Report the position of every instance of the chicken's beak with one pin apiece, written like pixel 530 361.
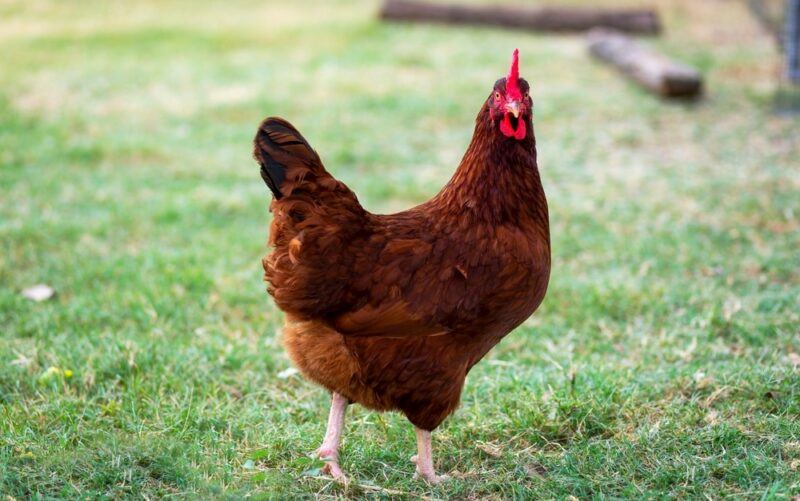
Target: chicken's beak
pixel 513 108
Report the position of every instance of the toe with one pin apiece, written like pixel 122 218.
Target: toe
pixel 332 468
pixel 431 477
pixel 437 479
pixel 413 459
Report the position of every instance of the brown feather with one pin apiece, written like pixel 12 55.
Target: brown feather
pixel 393 310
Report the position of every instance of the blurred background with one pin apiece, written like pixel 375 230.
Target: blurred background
pixel 663 362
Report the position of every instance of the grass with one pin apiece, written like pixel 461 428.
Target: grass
pixel 663 362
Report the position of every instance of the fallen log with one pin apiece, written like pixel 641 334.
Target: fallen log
pixel 650 69
pixel 641 21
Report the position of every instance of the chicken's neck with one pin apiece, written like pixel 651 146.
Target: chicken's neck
pixel 498 180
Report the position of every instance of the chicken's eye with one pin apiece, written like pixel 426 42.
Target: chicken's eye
pixel 497 95
pixel 526 95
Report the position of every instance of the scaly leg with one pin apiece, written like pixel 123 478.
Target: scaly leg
pixel 424 458
pixel 329 451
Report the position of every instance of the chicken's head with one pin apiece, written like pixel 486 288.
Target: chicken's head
pixel 510 106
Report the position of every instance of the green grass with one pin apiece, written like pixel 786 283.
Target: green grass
pixel 663 362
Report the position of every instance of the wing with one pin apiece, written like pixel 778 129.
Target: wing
pixel 424 282
pixel 392 318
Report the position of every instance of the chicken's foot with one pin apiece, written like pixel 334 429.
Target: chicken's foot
pixel 329 450
pixel 424 458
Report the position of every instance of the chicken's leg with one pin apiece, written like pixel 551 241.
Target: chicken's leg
pixel 329 451
pixel 424 458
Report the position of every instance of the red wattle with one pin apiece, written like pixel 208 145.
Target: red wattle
pixel 505 126
pixel 520 134
pixel 508 130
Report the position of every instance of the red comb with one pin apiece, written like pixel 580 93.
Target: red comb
pixel 512 80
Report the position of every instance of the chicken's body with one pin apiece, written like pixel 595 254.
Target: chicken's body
pixel 392 311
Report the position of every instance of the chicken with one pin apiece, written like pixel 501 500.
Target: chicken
pixel 392 311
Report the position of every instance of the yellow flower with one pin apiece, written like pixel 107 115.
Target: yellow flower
pixel 54 372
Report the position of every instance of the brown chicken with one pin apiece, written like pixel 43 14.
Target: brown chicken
pixel 392 311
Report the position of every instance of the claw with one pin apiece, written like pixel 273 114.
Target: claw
pixel 332 468
pixel 431 478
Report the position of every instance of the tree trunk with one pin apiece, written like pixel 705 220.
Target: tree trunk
pixel 650 69
pixel 642 21
pixel 792 41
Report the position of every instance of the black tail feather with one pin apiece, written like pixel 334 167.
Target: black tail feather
pixel 277 145
pixel 273 174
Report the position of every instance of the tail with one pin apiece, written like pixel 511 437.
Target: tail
pixel 285 157
pixel 315 219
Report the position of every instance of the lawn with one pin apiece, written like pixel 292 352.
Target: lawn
pixel 664 362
